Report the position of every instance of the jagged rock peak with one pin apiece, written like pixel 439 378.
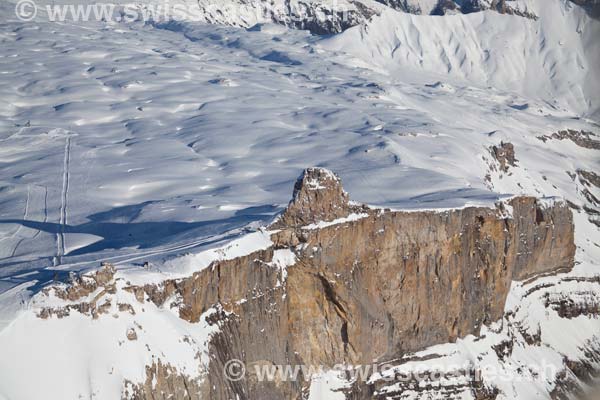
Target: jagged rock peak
pixel 318 196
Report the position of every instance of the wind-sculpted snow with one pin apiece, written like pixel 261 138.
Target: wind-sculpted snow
pixel 157 142
pixel 551 58
pixel 128 142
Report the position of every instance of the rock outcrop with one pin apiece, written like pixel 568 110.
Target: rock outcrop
pixel 163 382
pixel 587 140
pixel 365 285
pixel 505 155
pixel 342 283
pixel 318 197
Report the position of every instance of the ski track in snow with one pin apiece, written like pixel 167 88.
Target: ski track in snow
pixel 187 131
pixel 60 235
pixel 25 213
pixel 35 203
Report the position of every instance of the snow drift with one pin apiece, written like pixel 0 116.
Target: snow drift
pixel 554 58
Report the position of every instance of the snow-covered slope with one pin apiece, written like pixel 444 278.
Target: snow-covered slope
pixel 124 142
pixel 132 142
pixel 553 59
pixel 322 16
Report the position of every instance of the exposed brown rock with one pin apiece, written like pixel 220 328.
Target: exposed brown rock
pixel 471 6
pixel 124 307
pixel 369 288
pixel 579 379
pixel 80 287
pixel 131 334
pixel 589 177
pixel 318 196
pixel 503 8
pixel 415 279
pixel 446 7
pixel 372 288
pixel 590 180
pixel 164 382
pixel 505 155
pixel 427 386
pixel 569 307
pixel 83 285
pixel 580 138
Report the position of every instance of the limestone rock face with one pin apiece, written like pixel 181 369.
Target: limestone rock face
pixel 369 288
pixel 396 282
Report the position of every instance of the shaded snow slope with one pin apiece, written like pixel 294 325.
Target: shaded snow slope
pixel 129 142
pixel 553 59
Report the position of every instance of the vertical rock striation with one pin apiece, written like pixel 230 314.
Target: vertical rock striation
pixel 366 285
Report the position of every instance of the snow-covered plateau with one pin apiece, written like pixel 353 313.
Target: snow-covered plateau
pixel 163 148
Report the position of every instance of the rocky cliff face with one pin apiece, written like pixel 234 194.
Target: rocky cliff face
pixel 341 283
pixel 344 283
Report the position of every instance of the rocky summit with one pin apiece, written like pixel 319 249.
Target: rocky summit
pixel 318 197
